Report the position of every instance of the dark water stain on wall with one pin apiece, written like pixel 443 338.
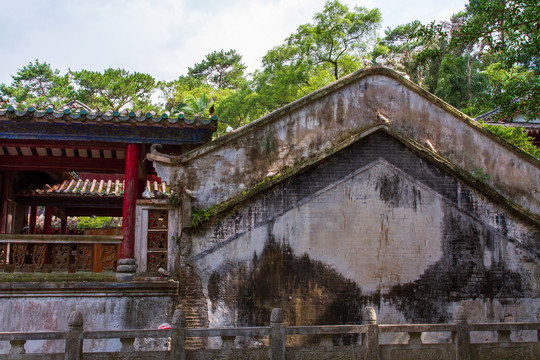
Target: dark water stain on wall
pixel 308 291
pixel 459 275
pixel 389 189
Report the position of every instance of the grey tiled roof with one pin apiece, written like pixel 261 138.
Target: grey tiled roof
pixel 109 117
pixel 105 188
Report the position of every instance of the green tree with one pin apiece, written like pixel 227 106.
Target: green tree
pixel 193 107
pixel 337 38
pixel 238 108
pixel 398 47
pixel 114 89
pixel 405 49
pixel 503 32
pixel 285 77
pixel 462 82
pixel 514 89
pixel 92 222
pixel 174 92
pixel 516 136
pixel 222 69
pixel 317 54
pixel 38 84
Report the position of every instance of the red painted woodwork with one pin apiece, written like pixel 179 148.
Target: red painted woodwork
pixel 60 163
pixel 33 219
pixel 130 199
pixel 64 144
pixel 63 226
pixel 47 224
pixel 4 196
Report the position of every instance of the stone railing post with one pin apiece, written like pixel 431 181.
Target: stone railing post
pixel 178 338
pixel 462 339
pixel 277 335
pixel 370 341
pixel 127 344
pixel 74 337
pixel 17 347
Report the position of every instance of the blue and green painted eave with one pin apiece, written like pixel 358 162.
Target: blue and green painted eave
pixel 68 125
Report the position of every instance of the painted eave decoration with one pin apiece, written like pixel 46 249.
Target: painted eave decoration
pixel 111 126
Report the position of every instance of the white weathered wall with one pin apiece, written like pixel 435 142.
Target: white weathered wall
pixel 42 313
pixel 378 241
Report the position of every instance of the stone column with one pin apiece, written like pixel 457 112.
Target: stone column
pixel 74 338
pixel 126 265
pixel 462 339
pixel 277 335
pixel 178 337
pixel 370 341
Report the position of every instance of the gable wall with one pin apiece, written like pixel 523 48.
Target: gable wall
pixel 319 122
pixel 375 224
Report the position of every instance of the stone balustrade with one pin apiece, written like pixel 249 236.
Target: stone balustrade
pixel 368 347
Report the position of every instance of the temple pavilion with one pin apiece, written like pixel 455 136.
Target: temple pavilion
pixel 78 162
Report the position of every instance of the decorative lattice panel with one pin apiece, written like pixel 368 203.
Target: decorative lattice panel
pixel 3 253
pixel 19 254
pixel 85 257
pixel 39 255
pixel 157 237
pixel 61 256
pixel 108 257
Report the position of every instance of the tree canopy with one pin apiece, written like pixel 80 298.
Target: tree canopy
pixel 316 54
pixel 222 69
pixel 503 38
pixel 38 84
pixel 114 88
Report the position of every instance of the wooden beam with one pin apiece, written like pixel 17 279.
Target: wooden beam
pixel 60 163
pixel 83 211
pixel 58 212
pixel 64 144
pixel 70 201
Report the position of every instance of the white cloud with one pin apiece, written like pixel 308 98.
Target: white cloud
pixel 164 37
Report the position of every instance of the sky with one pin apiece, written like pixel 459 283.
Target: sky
pixel 165 37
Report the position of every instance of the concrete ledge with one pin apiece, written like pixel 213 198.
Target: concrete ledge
pixel 89 289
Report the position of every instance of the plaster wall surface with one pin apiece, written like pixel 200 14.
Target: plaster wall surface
pixel 374 224
pixel 44 313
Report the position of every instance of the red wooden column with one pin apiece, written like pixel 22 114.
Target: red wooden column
pixel 47 224
pixel 4 196
pixel 126 267
pixel 33 219
pixel 63 225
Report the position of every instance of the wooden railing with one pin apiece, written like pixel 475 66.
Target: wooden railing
pixel 368 347
pixel 44 253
